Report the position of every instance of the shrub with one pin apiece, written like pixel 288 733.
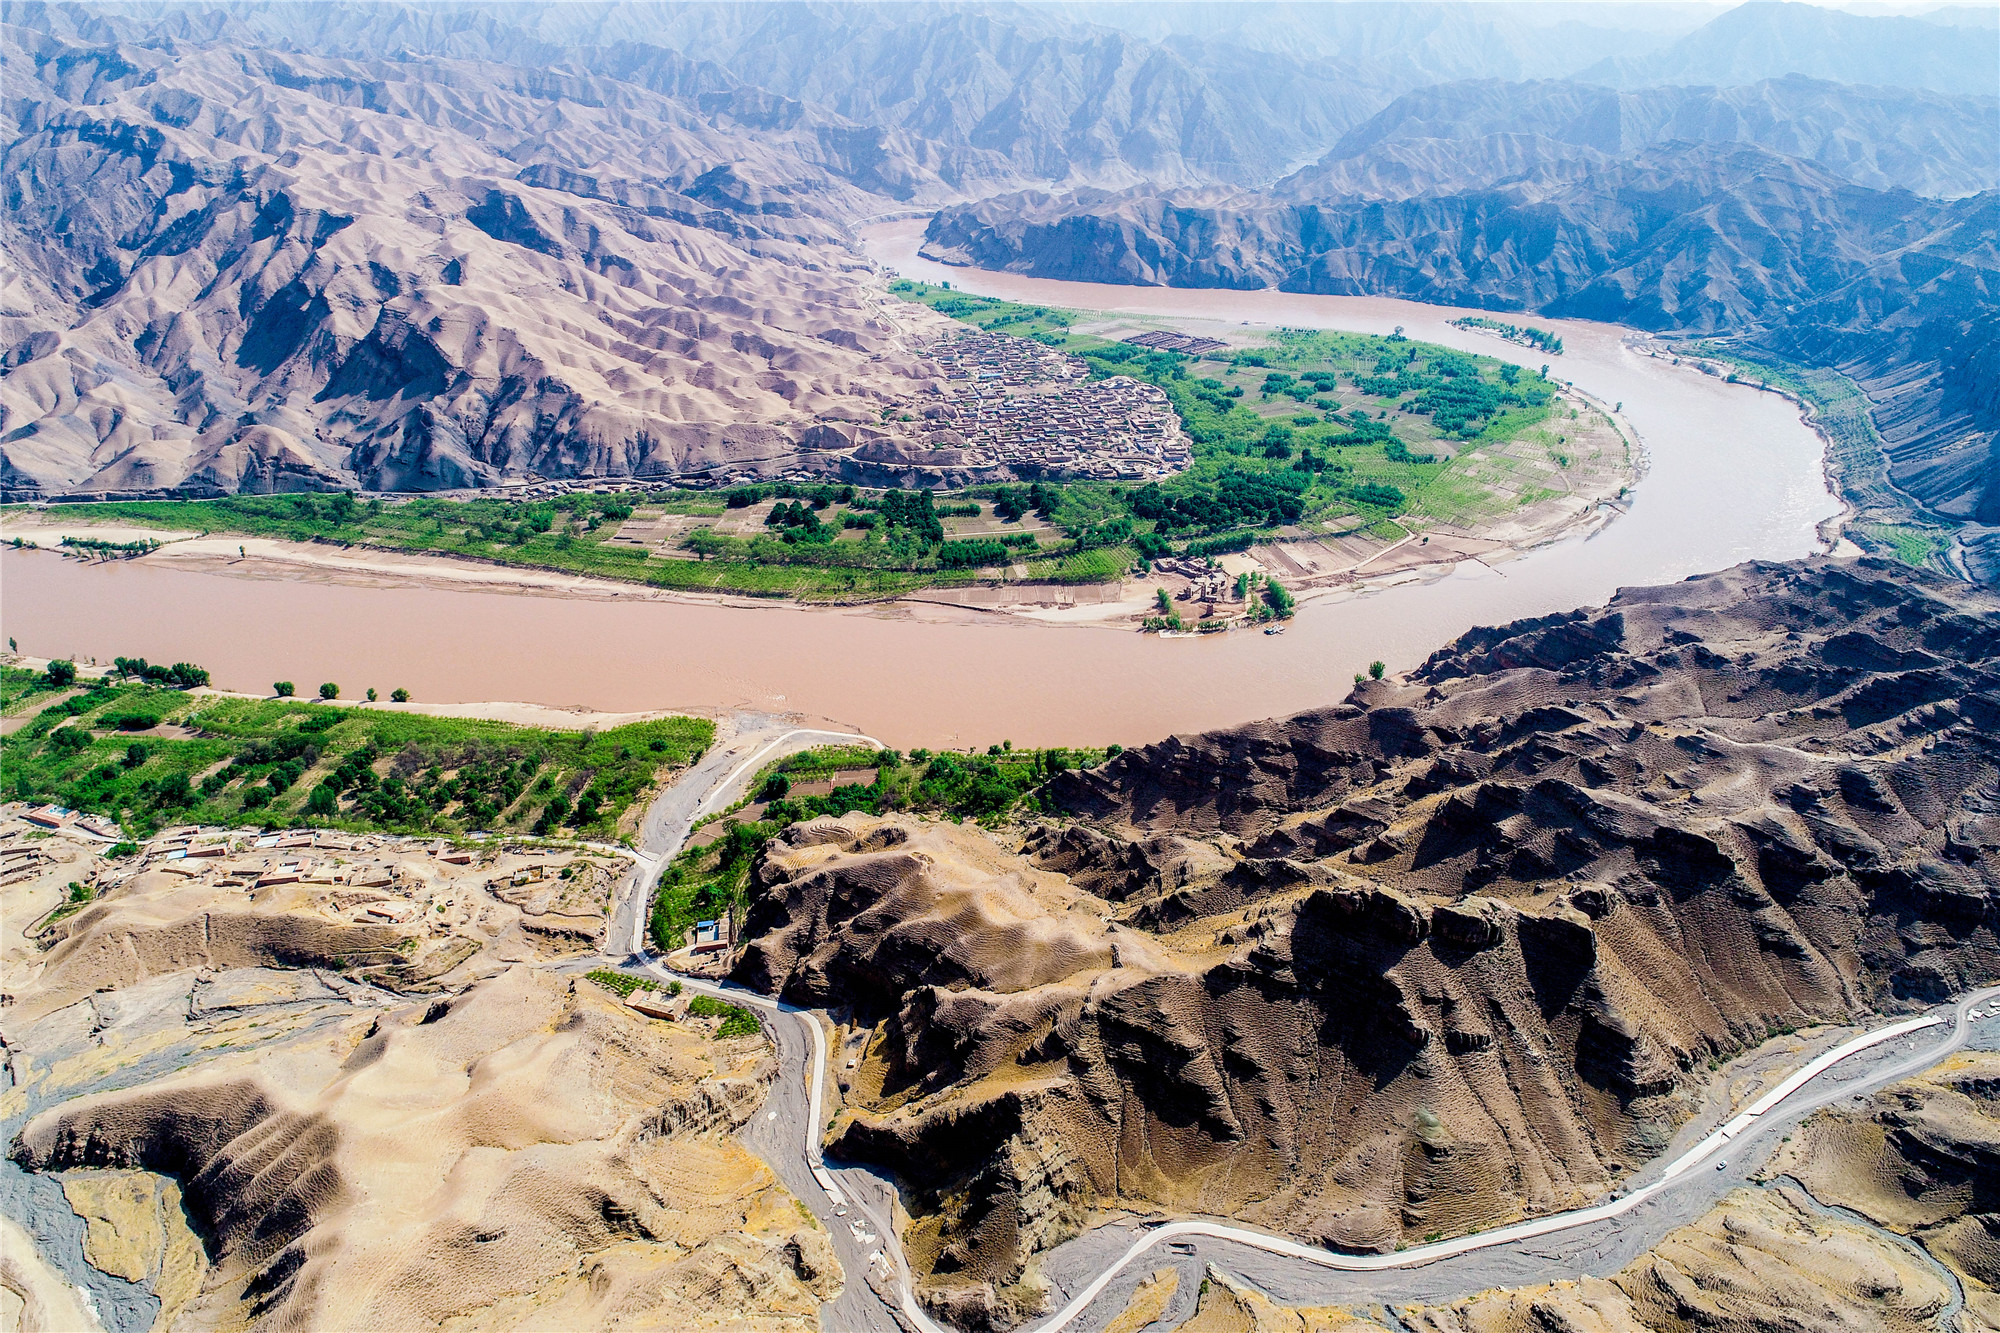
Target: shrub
pixel 623 984
pixel 132 720
pixel 735 1022
pixel 329 691
pixel 402 696
pixel 61 673
pixel 284 689
pixel 1379 494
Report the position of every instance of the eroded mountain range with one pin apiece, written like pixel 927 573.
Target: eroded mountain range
pixel 420 247
pixel 1462 948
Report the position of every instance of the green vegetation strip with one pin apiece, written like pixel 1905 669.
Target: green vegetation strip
pixel 621 982
pixel 149 755
pixel 736 1021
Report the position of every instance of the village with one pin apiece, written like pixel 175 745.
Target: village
pixel 1001 408
pixel 1014 403
pixel 434 903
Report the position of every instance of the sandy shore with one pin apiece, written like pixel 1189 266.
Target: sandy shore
pixel 1119 605
pixel 556 717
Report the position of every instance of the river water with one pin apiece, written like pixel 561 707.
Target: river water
pixel 1733 475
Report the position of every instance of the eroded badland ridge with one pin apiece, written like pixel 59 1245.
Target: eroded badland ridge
pixel 1462 948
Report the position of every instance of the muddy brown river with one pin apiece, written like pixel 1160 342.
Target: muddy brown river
pixel 1733 475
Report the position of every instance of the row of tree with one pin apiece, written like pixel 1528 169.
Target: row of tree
pixel 329 691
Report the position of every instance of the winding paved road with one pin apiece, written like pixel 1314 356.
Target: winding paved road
pixel 744 743
pixel 1096 1270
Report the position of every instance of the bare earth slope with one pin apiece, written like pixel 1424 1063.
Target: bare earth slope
pixel 1874 1216
pixel 247 270
pixel 1921 1159
pixel 1459 949
pixel 270 1119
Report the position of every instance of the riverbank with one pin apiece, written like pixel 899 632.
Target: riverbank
pixel 1731 475
pixel 1332 457
pixel 574 717
pixel 137 756
pixel 1310 565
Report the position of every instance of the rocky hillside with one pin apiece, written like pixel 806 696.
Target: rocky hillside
pixel 1462 948
pixel 246 270
pixel 1676 238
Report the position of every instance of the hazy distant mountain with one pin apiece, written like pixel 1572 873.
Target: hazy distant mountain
pixel 1407 44
pixel 1460 136
pixel 1766 40
pixel 1678 238
pixel 1003 89
pixel 1057 100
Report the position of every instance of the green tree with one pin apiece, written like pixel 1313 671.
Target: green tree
pixel 774 787
pixel 329 691
pixel 1278 598
pixel 371 694
pixel 61 673
pixel 400 695
pixel 1166 602
pixel 135 755
pixel 284 689
pixel 1375 670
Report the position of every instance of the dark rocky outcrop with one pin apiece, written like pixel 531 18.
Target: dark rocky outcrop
pixel 1464 945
